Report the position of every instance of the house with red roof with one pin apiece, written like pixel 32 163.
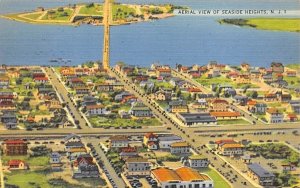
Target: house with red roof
pixel 41 80
pixel 219 105
pixel 17 164
pixel 151 141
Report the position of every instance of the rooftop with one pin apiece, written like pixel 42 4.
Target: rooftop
pixel 260 171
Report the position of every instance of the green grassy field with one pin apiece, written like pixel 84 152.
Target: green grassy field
pixel 121 11
pixel 27 179
pixel 294 66
pixel 279 24
pixel 31 161
pixel 233 121
pixel 97 9
pixel 118 122
pixel 59 16
pixel 219 182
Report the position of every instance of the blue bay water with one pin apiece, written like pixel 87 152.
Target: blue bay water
pixel 180 39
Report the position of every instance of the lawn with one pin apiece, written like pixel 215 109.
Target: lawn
pixel 33 16
pixel 219 182
pixel 121 11
pixel 97 9
pixel 31 161
pixel 26 179
pixel 293 66
pixel 233 122
pixel 118 122
pixel 163 84
pixel 59 15
pixel 279 24
pixel 293 81
pixel 216 80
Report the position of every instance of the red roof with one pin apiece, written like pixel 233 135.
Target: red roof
pixel 225 141
pixel 128 149
pixel 41 78
pixel 220 101
pixel 94 107
pixel 194 90
pixel 15 162
pixel 14 142
pixel 76 80
pixel 150 135
pixel 6 96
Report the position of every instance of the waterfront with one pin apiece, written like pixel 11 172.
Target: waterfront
pixel 180 39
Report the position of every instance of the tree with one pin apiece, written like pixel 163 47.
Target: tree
pixel 60 9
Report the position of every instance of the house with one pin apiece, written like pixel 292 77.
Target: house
pixel 76 82
pixel 285 97
pixel 82 90
pixel 259 108
pixel 138 109
pixel 89 100
pixel 213 73
pixel 41 80
pixel 180 148
pixel 194 91
pixel 85 167
pixel 165 141
pixel 240 99
pixel 230 149
pixel 178 106
pixel 9 119
pixel 122 95
pixel 255 74
pixel 245 67
pixel 267 78
pixel 197 161
pixel 219 105
pixel 229 92
pixel 277 67
pixel 195 119
pixel 270 97
pixel 226 115
pixel 96 110
pixel 288 166
pixel 15 147
pixel 243 79
pixel 16 164
pixel 128 152
pixel 260 175
pixel 72 138
pixel 161 95
pixel 4 82
pixel 151 141
pixel 200 105
pixel 163 71
pixel 7 105
pixel 137 166
pixel 55 161
pixel 291 73
pixel 119 141
pixel 181 177
pixel 106 87
pixel 246 159
pixel 292 117
pixel 147 84
pixel 274 116
pixel 294 106
pixel 75 152
pixel 75 144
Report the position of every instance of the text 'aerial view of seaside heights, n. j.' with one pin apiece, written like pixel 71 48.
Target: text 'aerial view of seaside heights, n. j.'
pixel 149 94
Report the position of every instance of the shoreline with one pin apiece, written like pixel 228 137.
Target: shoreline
pixel 20 17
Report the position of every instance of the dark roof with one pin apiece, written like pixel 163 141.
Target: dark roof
pixel 260 171
pixel 79 144
pixel 177 102
pixel 197 117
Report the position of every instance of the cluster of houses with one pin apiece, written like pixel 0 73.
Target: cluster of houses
pixel 83 164
pixel 136 165
pixel 27 91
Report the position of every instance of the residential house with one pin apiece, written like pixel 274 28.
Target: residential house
pixel 178 106
pixel 41 80
pixel 245 67
pixel 260 175
pixel 128 152
pixel 286 166
pixel 4 82
pixel 291 73
pixel 119 141
pixel 137 166
pixel 180 148
pixel 151 141
pixel 294 106
pixel 273 115
pixel 194 91
pixel 161 95
pixel 219 105
pixel 138 109
pixel 240 99
pixel 163 71
pixel 213 73
pixel 76 82
pixel 292 117
pixel 229 92
pixel 75 144
pixel 9 119
pixel 285 97
pixel 243 79
pixel 82 90
pixel 229 147
pixel 195 119
pixel 181 177
pixel 200 105
pixel 55 161
pixel 196 161
pixel 267 78
pixel 74 153
pixel 15 147
pixel 110 87
pixel 96 110
pixel 72 138
pixel 16 164
pixel 255 74
pixel 259 108
pixel 148 84
pixel 270 97
pixel 85 167
pixel 122 95
pixel 165 141
pixel 88 101
pixel 277 67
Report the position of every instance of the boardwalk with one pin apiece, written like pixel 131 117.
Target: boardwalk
pixel 107 11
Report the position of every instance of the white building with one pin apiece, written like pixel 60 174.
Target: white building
pixel 96 110
pixel 180 148
pixel 166 141
pixel 274 116
pixel 198 161
pixel 119 141
pixel 137 166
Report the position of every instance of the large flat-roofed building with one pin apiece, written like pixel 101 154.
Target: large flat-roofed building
pixel 195 119
pixel 183 177
pixel 137 166
pixel 260 175
pixel 15 147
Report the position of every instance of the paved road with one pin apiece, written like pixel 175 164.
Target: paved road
pixel 118 181
pixel 64 94
pixel 107 14
pixel 184 132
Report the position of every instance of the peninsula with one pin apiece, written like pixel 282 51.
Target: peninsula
pixel 275 24
pixel 92 13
